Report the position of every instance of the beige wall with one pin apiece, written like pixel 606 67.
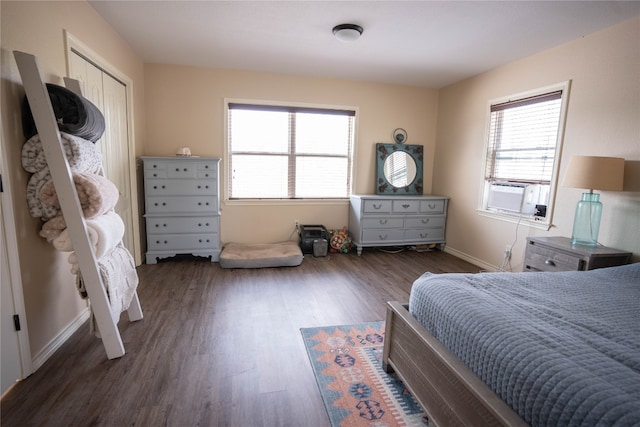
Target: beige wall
pixel 51 301
pixel 185 107
pixel 603 120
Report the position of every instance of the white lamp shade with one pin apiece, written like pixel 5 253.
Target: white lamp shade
pixel 595 173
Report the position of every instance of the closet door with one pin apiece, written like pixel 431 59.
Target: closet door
pixel 116 150
pixel 109 95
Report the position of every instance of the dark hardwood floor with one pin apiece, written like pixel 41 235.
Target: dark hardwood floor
pixel 217 347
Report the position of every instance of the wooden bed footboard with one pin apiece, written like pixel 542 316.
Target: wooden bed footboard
pixel 449 392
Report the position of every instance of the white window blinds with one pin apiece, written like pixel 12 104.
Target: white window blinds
pixel 280 152
pixel 523 136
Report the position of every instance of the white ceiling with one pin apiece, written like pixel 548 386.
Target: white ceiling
pixel 422 43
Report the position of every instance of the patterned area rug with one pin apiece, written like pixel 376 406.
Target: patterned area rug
pixel 347 362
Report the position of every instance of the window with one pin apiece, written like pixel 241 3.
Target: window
pixel 281 152
pixel 522 152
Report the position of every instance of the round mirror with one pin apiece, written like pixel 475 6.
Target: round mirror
pixel 400 169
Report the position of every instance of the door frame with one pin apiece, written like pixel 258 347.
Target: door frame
pixel 72 43
pixel 13 260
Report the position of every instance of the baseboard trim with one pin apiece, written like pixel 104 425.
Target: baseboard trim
pixel 483 265
pixel 53 345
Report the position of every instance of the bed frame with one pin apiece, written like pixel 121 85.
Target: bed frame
pixel 449 392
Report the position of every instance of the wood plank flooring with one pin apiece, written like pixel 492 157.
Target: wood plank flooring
pixel 217 347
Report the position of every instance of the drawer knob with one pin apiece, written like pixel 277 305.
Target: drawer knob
pixel 157 225
pixel 155 174
pixel 383 221
pixel 155 187
pixel 163 187
pixel 199 224
pixel 424 235
pixel 155 166
pixel 177 169
pixel 185 169
pixel 377 206
pixel 550 262
pixel 431 206
pixel 164 204
pixel 426 221
pixel 199 187
pixel 381 237
pixel 405 205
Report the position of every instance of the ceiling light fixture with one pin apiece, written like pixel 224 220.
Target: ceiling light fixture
pixel 347 32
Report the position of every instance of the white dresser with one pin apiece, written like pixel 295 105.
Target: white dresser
pixel 397 220
pixel 182 207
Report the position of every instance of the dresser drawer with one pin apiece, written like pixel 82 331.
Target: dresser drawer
pixel 189 187
pixel 543 259
pixel 156 225
pixel 376 206
pixel 432 206
pixel 181 169
pixel 177 242
pixel 424 221
pixel 182 204
pixel 406 206
pixel 388 222
pixel 382 235
pixel 424 235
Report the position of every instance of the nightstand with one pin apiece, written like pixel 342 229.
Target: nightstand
pixel 558 254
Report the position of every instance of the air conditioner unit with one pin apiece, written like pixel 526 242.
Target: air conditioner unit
pixel 506 196
pixel 514 197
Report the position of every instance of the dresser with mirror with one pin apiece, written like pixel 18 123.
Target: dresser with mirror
pixel 398 214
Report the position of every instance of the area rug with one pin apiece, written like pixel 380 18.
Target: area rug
pixel 347 363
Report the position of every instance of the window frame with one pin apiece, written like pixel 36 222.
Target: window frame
pixel 287 201
pixel 516 217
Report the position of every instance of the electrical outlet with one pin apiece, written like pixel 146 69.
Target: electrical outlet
pixel 297 223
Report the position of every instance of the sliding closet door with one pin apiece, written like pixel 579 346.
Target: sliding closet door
pixel 110 96
pixel 116 150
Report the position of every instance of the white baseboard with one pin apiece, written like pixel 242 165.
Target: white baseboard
pixel 53 345
pixel 483 265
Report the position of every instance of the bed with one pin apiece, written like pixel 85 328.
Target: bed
pixel 512 349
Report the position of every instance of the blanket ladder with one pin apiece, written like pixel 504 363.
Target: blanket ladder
pixel 44 117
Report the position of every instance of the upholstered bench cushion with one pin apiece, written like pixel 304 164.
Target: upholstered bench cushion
pixel 239 255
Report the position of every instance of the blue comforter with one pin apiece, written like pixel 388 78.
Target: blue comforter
pixel 563 349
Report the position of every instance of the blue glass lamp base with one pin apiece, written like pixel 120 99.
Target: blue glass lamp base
pixel 586 223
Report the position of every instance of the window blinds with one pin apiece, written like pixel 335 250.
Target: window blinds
pixel 278 152
pixel 523 136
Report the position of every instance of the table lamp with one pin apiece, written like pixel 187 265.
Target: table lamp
pixel 592 173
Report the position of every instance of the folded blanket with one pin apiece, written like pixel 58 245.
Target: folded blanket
pixel 75 114
pixel 119 277
pixel 53 227
pixel 82 155
pixel 34 188
pixel 96 193
pixel 104 231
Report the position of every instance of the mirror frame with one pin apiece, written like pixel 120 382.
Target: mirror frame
pixel 383 186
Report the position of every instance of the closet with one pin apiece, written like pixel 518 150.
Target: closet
pixel 110 96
